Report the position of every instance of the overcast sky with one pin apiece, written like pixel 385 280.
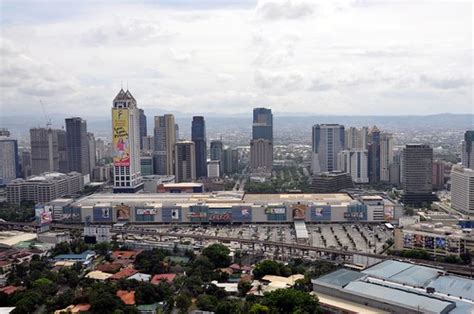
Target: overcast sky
pixel 217 56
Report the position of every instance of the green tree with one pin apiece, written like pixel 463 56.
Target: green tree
pixel 244 287
pixel 151 262
pixel 183 301
pixel 270 267
pixel 105 302
pixel 290 301
pixel 218 254
pixel 45 286
pixel 207 302
pixel 259 309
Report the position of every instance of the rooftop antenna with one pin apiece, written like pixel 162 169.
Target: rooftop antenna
pixel 48 120
pixel 121 84
pixel 127 85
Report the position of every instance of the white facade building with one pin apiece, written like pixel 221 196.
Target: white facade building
pixel 213 168
pixel 462 189
pixel 356 138
pixel 355 163
pixel 126 143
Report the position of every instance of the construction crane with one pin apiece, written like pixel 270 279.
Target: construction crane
pixel 48 120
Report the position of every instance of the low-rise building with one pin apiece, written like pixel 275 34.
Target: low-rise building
pixel 45 187
pixel 396 287
pixel 435 239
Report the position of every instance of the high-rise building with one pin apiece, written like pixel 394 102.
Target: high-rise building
pixel 354 162
pixel 356 138
pixel 25 163
pixel 462 189
pixel 126 143
pixel 44 150
pixel 227 158
pixel 198 136
pixel 216 152
pixel 467 153
pixel 143 128
pixel 327 142
pixel 262 124
pixel 373 145
pixel 261 145
pixel 101 149
pixel 92 151
pixel 386 156
pixel 438 174
pixel 148 143
pixel 235 160
pixel 9 159
pixel 165 140
pixel 185 161
pixel 417 174
pixel 62 151
pixel 261 160
pixel 77 145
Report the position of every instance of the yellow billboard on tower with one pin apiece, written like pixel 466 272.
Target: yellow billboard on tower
pixel 121 140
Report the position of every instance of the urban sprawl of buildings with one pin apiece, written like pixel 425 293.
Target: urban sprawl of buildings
pixel 353 192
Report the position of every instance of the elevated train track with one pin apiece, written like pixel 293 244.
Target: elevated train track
pixel 466 270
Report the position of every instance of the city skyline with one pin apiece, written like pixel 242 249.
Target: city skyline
pixel 228 58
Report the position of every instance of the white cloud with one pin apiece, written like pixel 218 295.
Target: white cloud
pixel 335 57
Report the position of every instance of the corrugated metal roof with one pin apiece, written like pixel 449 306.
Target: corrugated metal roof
pixel 339 278
pixel 400 297
pixel 454 285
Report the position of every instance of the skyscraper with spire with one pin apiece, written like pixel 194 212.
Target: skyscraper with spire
pixel 126 143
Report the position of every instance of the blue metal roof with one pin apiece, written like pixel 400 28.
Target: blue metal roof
pixel 401 272
pixel 454 285
pixel 339 278
pixel 401 297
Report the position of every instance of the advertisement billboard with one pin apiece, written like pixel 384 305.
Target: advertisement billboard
pixel 102 214
pixel 388 212
pixel 242 214
pixel 299 211
pixel 146 211
pixel 171 214
pixel 275 210
pixel 123 212
pixel 44 214
pixel 120 139
pixel 198 213
pixel 71 214
pixel 356 212
pixel 321 213
pixel 408 240
pixel 418 240
pixel 440 243
pixel 220 214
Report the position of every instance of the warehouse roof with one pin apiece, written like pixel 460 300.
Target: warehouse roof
pixel 332 198
pixel 406 273
pixel 422 303
pixel 339 278
pixel 223 197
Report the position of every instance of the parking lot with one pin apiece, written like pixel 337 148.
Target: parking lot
pixel 367 238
